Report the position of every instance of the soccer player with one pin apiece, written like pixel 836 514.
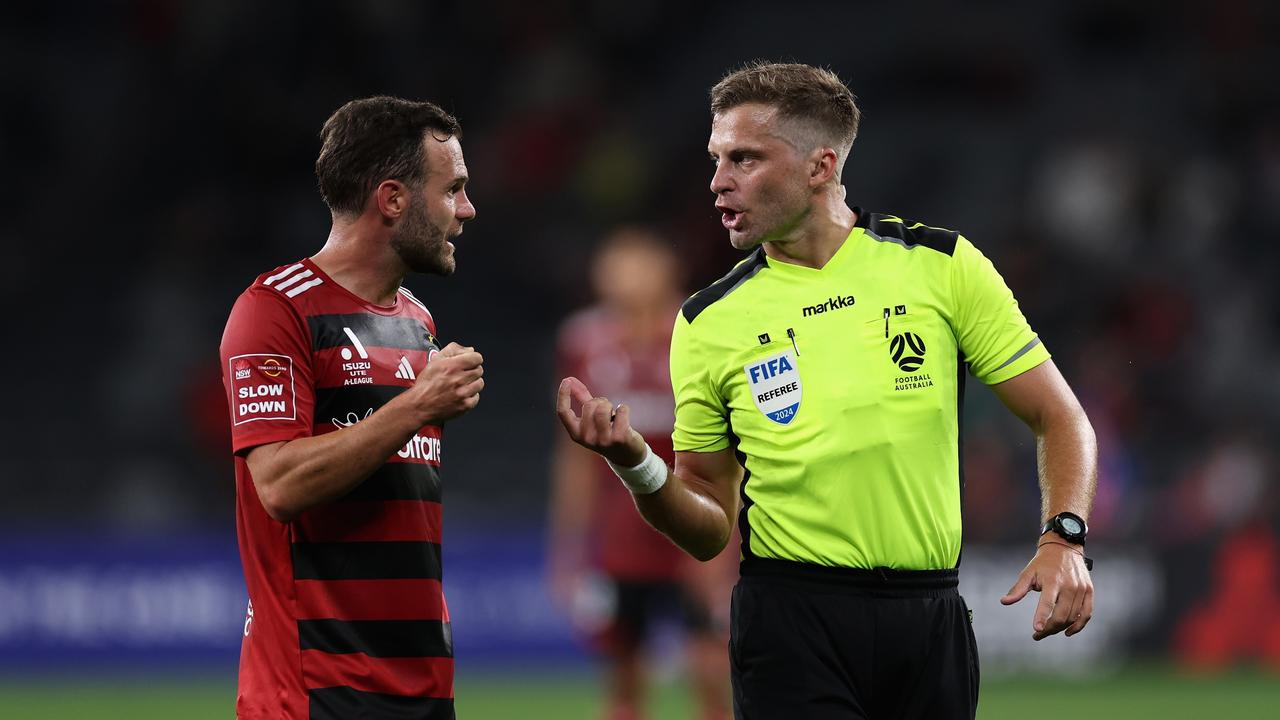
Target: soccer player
pixel 338 390
pixel 820 381
pixel 617 576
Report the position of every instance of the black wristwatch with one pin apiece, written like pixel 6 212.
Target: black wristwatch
pixel 1070 526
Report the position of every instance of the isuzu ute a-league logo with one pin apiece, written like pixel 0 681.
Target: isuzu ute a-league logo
pixel 359 371
pixel 907 351
pixel 775 386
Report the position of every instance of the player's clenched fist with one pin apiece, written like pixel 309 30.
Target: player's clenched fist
pixel 450 385
pixel 598 426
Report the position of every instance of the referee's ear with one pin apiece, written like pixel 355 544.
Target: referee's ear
pixel 824 163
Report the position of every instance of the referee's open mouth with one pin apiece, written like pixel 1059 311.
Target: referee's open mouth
pixel 731 218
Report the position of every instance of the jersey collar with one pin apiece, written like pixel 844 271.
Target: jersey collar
pixel 835 262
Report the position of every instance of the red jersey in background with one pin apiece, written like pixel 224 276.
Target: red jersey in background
pixel 592 348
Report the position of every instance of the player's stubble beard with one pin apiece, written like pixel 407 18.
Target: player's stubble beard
pixel 421 244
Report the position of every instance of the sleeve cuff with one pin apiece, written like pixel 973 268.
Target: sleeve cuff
pixel 1027 359
pixel 242 446
pixel 686 445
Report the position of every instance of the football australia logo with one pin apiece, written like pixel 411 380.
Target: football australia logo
pixel 774 383
pixel 907 351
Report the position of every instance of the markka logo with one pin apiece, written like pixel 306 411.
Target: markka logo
pixel 774 383
pixel 836 303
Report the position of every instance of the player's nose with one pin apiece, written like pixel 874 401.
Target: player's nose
pixel 465 210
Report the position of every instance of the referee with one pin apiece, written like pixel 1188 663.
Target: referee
pixel 819 383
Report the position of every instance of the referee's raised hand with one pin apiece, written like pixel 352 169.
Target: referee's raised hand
pixel 599 426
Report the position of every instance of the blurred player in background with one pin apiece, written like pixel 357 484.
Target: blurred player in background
pixel 614 574
pixel 818 387
pixel 338 392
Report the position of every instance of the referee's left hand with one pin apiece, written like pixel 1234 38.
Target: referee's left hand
pixel 1058 573
pixel 601 427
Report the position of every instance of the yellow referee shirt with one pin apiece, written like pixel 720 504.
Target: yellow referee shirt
pixel 840 389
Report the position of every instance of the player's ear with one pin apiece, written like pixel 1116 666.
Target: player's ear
pixel 391 198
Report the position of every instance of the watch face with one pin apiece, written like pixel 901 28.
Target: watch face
pixel 1071 525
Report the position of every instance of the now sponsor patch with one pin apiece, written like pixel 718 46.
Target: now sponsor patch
pixel 775 386
pixel 262 388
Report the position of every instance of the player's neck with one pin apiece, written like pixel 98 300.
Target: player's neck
pixel 366 266
pixel 817 238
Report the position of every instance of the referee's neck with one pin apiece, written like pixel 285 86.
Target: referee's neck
pixel 817 238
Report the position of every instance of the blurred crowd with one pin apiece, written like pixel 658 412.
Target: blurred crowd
pixel 1119 161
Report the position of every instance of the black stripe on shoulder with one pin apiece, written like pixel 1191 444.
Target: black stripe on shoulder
pixel 399 560
pixel 344 703
pixel 377 638
pixel 741 272
pixel 907 233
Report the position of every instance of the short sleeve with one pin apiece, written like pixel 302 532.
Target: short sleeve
pixel 701 421
pixel 266 370
pixel 994 336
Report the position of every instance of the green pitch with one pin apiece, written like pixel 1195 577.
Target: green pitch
pixel 1130 694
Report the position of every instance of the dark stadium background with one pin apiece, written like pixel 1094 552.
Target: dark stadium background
pixel 1119 161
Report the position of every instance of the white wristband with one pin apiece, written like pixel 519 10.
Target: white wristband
pixel 643 479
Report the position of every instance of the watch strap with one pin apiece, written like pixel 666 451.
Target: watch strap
pixel 1054 523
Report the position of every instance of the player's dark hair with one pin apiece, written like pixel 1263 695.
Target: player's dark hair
pixel 800 92
pixel 374 139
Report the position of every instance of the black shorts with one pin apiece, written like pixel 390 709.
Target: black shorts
pixel 639 605
pixel 811 643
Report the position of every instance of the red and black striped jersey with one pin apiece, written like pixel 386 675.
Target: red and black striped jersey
pixel 346 615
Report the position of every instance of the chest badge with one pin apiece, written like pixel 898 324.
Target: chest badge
pixel 775 386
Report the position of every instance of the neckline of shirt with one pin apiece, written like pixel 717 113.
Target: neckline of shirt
pixel 834 262
pixel 392 309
